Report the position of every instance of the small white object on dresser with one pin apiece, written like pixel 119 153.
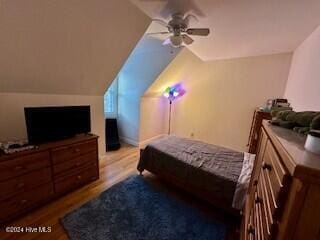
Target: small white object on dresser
pixel 313 142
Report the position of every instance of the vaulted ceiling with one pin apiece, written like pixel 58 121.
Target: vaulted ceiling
pixel 146 62
pixel 241 28
pixel 79 46
pixel 66 46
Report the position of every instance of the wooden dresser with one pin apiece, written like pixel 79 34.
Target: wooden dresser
pixel 30 178
pixel 284 194
pixel 256 125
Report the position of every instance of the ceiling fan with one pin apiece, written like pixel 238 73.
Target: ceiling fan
pixel 179 29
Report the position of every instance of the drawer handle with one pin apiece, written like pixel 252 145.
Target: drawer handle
pixel 76 150
pixel 258 199
pixel 20 185
pixel 266 166
pixel 250 229
pixel 79 177
pixel 23 201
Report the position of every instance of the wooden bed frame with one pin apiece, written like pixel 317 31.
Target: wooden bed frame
pixel 205 195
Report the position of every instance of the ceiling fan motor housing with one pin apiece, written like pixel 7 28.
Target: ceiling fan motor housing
pixel 177 24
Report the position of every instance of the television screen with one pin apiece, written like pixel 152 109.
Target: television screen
pixel 45 124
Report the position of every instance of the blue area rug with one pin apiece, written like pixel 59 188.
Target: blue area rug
pixel 136 210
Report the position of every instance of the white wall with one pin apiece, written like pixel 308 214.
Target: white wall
pixel 221 95
pixel 12 121
pixel 128 109
pixel 144 65
pixel 303 86
pixel 153 117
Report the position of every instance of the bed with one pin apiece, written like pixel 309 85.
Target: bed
pixel 217 174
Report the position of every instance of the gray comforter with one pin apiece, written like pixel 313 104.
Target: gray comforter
pixel 207 167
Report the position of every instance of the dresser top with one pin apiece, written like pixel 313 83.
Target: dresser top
pixel 290 146
pixel 50 145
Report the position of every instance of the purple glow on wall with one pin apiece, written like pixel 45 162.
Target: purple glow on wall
pixel 174 92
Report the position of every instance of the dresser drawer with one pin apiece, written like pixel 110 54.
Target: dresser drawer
pixel 86 159
pixel 280 174
pixel 265 208
pixel 258 228
pixel 24 182
pixel 250 231
pixel 276 176
pixel 23 165
pixel 63 154
pixel 20 202
pixel 70 182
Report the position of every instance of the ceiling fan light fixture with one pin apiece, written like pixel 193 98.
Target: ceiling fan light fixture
pixel 176 41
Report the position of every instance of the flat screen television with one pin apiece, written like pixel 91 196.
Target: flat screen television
pixel 46 124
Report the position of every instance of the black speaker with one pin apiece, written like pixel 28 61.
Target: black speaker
pixel 112 136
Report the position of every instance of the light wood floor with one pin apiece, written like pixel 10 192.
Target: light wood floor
pixel 115 167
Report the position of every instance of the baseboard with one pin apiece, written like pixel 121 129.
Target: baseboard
pixel 129 141
pixel 142 143
pixel 145 142
pixel 102 156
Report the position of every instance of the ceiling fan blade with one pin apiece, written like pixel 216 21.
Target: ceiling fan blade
pixel 186 39
pixel 155 33
pixel 198 31
pixel 166 42
pixel 188 17
pixel 160 21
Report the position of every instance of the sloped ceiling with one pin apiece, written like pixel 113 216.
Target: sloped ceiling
pixel 144 65
pixel 66 46
pixel 179 70
pixel 147 61
pixel 242 28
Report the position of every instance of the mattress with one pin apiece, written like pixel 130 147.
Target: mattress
pixel 221 172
